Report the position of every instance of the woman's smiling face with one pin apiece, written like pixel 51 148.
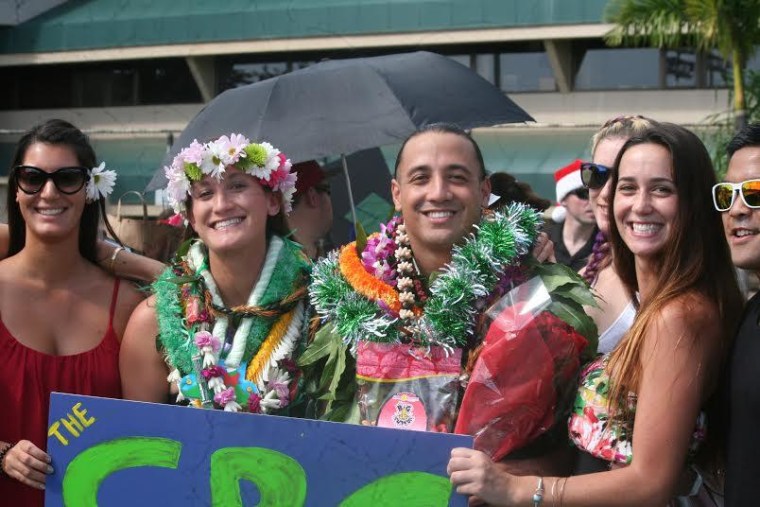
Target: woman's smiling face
pixel 646 199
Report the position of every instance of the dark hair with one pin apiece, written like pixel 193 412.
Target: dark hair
pixel 444 128
pixel 748 136
pixel 57 133
pixel 510 190
pixel 696 260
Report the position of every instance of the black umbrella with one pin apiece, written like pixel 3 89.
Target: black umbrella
pixel 341 106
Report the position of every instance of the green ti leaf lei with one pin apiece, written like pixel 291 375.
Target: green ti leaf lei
pixel 174 285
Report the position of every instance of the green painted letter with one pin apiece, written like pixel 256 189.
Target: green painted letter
pixel 90 468
pixel 410 489
pixel 280 479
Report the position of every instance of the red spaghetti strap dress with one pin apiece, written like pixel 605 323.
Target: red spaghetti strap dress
pixel 27 377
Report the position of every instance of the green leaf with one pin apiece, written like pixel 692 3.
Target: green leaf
pixel 577 293
pixel 556 275
pixel 325 342
pixel 361 238
pixel 328 375
pixel 340 367
pixel 581 322
pixel 183 248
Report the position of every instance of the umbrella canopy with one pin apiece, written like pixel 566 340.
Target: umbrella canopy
pixel 342 106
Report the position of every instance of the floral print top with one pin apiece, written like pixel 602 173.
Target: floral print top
pixel 591 427
pixel 594 430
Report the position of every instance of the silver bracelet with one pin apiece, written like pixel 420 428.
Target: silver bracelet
pixel 538 496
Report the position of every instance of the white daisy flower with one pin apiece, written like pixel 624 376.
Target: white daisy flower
pixel 101 182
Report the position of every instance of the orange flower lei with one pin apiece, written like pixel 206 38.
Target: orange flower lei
pixel 364 283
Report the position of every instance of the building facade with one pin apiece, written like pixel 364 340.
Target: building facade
pixel 134 73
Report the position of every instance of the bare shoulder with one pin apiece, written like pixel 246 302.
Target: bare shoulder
pixel 693 313
pixel 691 323
pixel 145 311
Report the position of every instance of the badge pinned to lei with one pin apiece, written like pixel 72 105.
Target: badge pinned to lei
pixel 374 296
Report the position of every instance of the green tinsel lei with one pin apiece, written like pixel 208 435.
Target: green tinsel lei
pixel 176 335
pixel 502 239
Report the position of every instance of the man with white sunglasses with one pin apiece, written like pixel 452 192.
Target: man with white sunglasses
pixel 738 200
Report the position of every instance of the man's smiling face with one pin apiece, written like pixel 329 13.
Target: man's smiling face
pixel 439 189
pixel 741 223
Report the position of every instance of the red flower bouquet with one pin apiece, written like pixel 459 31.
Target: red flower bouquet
pixel 525 376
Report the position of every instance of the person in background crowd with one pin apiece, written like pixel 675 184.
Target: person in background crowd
pixel 737 198
pixel 575 228
pixel 62 316
pixel 616 308
pixel 167 235
pixel 235 304
pixel 312 215
pixel 636 408
pixel 509 190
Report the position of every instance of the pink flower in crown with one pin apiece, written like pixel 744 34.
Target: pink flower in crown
pixel 254 404
pixel 193 154
pixel 233 147
pixel 207 342
pixel 279 176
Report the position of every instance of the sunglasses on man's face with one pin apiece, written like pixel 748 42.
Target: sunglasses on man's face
pixel 594 176
pixel 68 180
pixel 580 193
pixel 724 194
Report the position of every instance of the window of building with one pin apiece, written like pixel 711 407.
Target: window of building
pixel 680 68
pixel 619 69
pixel 112 84
pixel 233 74
pixel 525 72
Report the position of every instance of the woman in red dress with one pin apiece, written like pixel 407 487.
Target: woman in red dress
pixel 61 316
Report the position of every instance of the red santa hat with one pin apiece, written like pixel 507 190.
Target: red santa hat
pixel 567 179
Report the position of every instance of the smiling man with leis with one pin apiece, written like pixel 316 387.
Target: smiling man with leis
pixel 403 327
pixel 230 313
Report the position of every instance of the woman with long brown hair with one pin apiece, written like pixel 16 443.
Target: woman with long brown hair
pixel 637 407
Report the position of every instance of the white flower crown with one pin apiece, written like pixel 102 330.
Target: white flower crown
pixel 262 161
pixel 101 183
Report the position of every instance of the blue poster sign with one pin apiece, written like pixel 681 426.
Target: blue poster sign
pixel 124 453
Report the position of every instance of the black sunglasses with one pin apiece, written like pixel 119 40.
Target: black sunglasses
pixel 580 193
pixel 68 180
pixel 594 176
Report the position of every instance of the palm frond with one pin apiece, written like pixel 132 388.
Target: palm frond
pixel 658 23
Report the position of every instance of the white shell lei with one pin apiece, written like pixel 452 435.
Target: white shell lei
pixel 195 259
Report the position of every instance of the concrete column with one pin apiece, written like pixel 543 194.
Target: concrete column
pixel 203 70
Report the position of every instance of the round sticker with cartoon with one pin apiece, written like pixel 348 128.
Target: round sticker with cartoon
pixel 403 411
